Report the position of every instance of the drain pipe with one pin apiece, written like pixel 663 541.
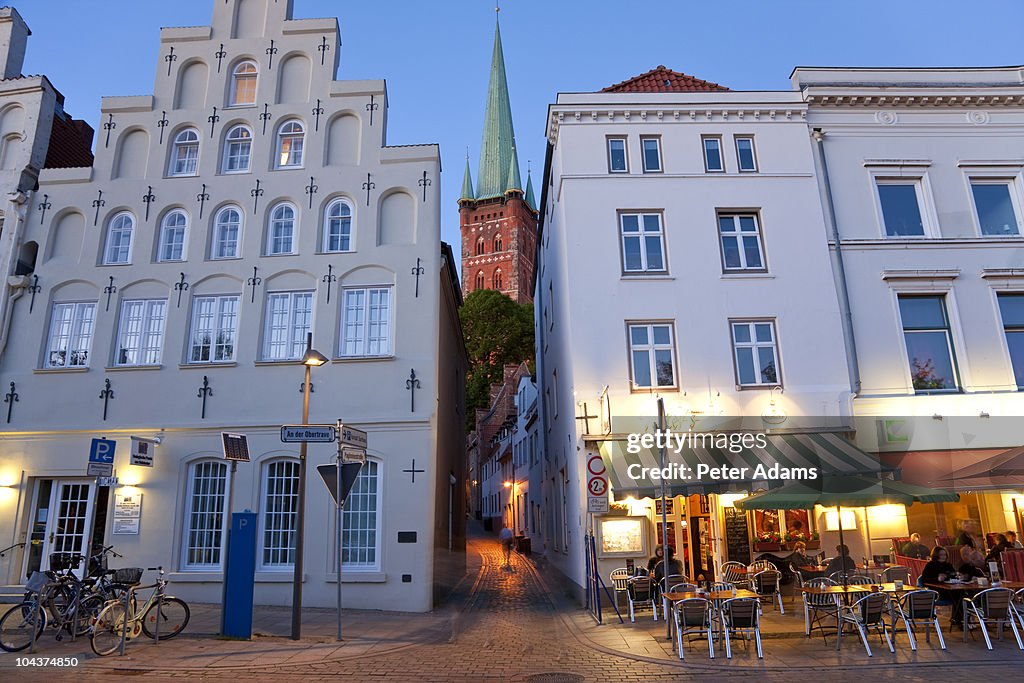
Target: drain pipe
pixel 13 285
pixel 844 293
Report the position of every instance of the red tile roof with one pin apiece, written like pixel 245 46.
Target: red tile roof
pixel 70 143
pixel 662 79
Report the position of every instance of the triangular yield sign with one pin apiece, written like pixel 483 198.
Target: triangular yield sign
pixel 349 472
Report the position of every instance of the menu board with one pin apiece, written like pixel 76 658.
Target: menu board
pixel 737 535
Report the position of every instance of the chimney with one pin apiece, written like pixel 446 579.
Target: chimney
pixel 14 35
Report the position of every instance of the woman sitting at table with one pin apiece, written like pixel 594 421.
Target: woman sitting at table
pixel 939 570
pixel 841 562
pixel 659 553
pixel 973 562
pixel 799 557
pixel 674 567
pixel 994 555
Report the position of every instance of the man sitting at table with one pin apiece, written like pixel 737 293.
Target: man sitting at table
pixel 914 548
pixel 841 562
pixel 1011 538
pixel 674 567
pixel 939 570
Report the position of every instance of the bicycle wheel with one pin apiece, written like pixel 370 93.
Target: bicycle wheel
pixel 107 629
pixel 88 610
pixel 16 626
pixel 174 615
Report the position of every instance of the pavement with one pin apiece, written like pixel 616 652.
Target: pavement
pixel 504 624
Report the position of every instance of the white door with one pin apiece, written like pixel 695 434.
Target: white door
pixel 69 521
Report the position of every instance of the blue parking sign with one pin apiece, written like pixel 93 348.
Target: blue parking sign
pixel 102 450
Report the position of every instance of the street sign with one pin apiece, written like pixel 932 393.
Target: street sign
pixel 100 469
pixel 106 481
pixel 350 436
pixel 236 447
pixel 102 450
pixel 353 455
pixel 142 452
pixel 308 433
pixel 349 472
pixel 597 484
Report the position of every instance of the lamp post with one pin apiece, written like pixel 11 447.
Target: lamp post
pixel 311 359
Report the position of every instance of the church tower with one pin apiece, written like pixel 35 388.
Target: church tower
pixel 498 219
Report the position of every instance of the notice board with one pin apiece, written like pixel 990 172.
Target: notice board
pixel 737 535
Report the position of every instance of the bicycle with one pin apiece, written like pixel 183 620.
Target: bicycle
pixel 160 617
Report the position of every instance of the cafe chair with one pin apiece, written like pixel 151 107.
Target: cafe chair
pixel 1018 605
pixel 817 608
pixel 742 617
pixel 917 608
pixel 897 572
pixel 693 616
pixel 667 581
pixel 766 584
pixel 992 606
pixel 719 586
pixel 641 593
pixel 735 573
pixel 798 582
pixel 868 613
pixel 683 588
pixel 859 580
pixel 760 566
pixel 620 582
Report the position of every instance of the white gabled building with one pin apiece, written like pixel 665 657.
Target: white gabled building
pixel 250 200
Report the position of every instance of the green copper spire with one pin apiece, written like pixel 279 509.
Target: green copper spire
pixel 515 183
pixel 530 201
pixel 496 151
pixel 467 184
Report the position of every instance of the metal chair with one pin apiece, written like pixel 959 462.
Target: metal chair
pixel 992 606
pixel 760 566
pixel 640 592
pixel 741 616
pixel 683 588
pixel 918 608
pixel 897 572
pixel 817 607
pixel 620 581
pixel 766 584
pixel 735 573
pixel 719 586
pixel 1018 605
pixel 693 615
pixel 859 580
pixel 663 587
pixel 798 581
pixel 867 613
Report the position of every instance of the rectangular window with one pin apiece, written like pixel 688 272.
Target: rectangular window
pixel 652 353
pixel 366 322
pixel 141 332
pixel 204 514
pixel 1011 307
pixel 926 332
pixel 289 320
pixel 279 514
pixel 360 533
pixel 713 155
pixel 651 148
pixel 756 353
pixel 745 159
pixel 740 237
pixel 643 243
pixel 994 207
pixel 901 208
pixel 214 326
pixel 617 155
pixel 71 329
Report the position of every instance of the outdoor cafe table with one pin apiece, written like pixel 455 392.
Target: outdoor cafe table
pixel 854 590
pixel 716 598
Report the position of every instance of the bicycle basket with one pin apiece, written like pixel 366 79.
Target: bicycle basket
pixel 128 575
pixel 60 562
pixel 37 582
pixel 97 565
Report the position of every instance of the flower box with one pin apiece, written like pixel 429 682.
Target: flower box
pixel 811 545
pixel 765 547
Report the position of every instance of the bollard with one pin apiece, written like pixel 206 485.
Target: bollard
pixel 124 628
pixel 74 618
pixel 35 622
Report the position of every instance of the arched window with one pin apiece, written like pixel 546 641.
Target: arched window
pixel 498 283
pixel 497 243
pixel 479 280
pixel 290 138
pixel 480 246
pixel 281 235
pixel 119 238
pixel 238 150
pixel 243 83
pixel 185 153
pixel 172 236
pixel 227 229
pixel 338 226
pixel 279 506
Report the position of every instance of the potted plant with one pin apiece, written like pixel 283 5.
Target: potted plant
pixel 768 541
pixel 814 542
pixel 618 509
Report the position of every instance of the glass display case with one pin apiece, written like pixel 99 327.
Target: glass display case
pixel 622 537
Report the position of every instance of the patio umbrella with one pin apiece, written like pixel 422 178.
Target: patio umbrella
pixel 843 489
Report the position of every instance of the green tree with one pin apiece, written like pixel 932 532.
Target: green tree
pixel 498 332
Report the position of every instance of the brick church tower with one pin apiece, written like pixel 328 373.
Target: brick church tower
pixel 499 219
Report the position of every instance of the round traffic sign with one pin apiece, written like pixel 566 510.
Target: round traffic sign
pixel 598 486
pixel 595 465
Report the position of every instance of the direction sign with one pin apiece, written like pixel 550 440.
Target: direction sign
pixel 349 472
pixel 102 450
pixel 353 455
pixel 236 447
pixel 308 433
pixel 350 436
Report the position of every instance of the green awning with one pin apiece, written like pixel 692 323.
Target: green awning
pixel 844 490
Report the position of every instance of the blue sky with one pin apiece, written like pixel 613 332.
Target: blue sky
pixel 436 55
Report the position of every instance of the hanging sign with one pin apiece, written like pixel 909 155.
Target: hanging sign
pixel 142 451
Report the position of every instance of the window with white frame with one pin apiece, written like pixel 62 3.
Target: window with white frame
pixel 651 148
pixel 994 206
pixel 238 150
pixel 360 529
pixel 643 243
pixel 227 229
pixel 140 333
pixel 119 239
pixel 71 330
pixel 652 355
pixel 617 155
pixel 929 340
pixel 756 353
pixel 713 162
pixel 366 322
pixel 740 237
pixel 338 226
pixel 205 497
pixel 173 230
pixel 289 320
pixel 290 139
pixel 243 83
pixel 281 232
pixel 900 200
pixel 185 153
pixel 1011 309
pixel 279 514
pixel 746 161
pixel 214 327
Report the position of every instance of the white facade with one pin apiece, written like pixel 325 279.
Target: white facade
pixel 250 199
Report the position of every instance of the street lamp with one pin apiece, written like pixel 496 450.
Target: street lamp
pixel 311 359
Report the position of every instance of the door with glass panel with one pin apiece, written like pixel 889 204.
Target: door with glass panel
pixel 64 512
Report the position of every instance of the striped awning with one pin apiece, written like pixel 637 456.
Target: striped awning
pixel 829 452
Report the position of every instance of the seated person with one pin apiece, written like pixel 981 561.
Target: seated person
pixel 674 567
pixel 1011 539
pixel 973 562
pixel 799 557
pixel 914 548
pixel 994 555
pixel 939 570
pixel 659 552
pixel 841 562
